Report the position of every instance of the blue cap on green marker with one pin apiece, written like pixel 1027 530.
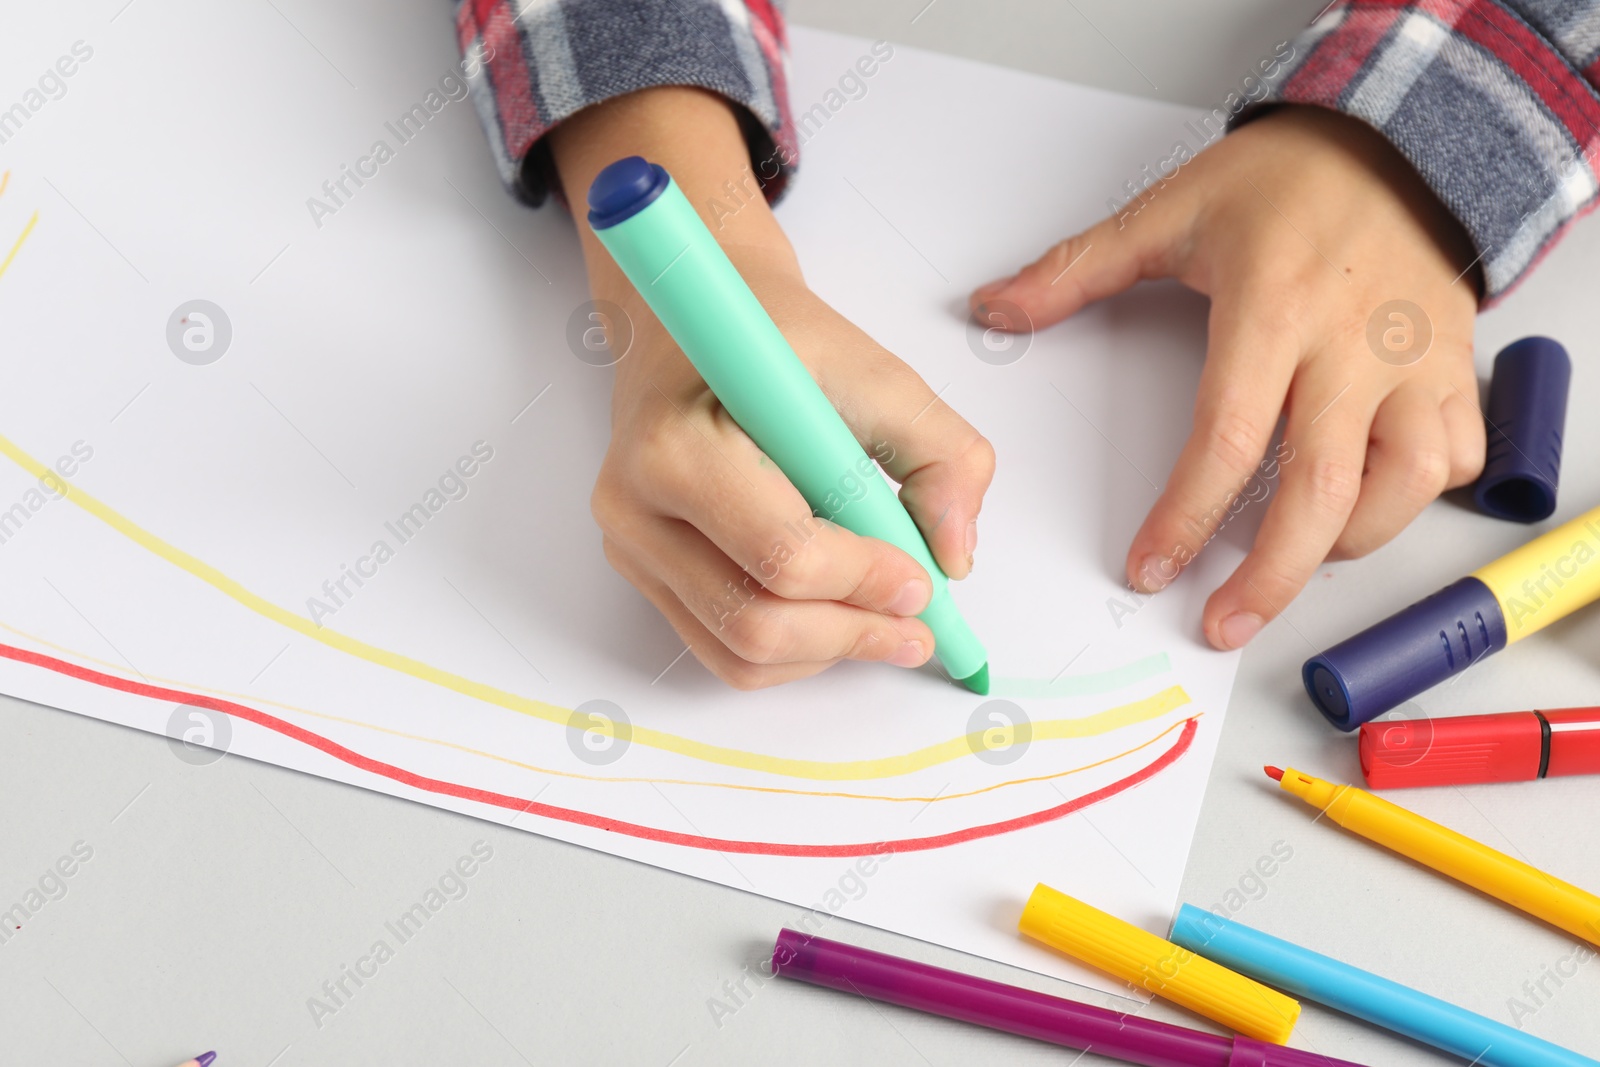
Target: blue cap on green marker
pixel 655 236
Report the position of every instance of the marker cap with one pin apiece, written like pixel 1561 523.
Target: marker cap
pixel 623 189
pixel 1465 750
pixel 1139 957
pixel 1526 415
pixel 1516 746
pixel 1412 650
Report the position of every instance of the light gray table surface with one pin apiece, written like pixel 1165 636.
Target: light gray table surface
pixel 204 915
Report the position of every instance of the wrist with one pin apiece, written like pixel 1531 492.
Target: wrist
pixel 695 136
pixel 692 133
pixel 1344 141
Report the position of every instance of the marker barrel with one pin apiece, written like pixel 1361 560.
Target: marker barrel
pixel 1157 966
pixel 1521 885
pixel 862 972
pixel 676 264
pixel 1548 578
pixel 1365 995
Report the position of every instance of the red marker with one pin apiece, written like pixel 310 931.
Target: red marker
pixel 1518 746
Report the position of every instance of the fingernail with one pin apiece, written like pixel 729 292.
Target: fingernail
pixel 912 598
pixel 1152 574
pixel 1237 629
pixel 994 288
pixel 909 654
pixel 972 538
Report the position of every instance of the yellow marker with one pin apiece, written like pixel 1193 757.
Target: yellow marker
pixel 5 264
pixel 1548 578
pixel 1524 887
pixel 1108 944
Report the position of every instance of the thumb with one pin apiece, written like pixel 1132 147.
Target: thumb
pixel 1099 262
pixel 943 464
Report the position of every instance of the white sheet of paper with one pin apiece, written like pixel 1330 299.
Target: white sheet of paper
pixel 171 587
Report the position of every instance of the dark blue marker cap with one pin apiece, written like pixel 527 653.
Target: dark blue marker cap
pixel 1526 415
pixel 623 189
pixel 1416 648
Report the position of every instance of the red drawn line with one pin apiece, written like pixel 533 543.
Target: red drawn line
pixel 583 818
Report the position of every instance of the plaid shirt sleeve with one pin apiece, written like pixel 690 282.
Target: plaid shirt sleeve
pixel 1493 101
pixel 545 60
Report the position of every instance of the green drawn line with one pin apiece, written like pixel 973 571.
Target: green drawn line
pixel 1075 685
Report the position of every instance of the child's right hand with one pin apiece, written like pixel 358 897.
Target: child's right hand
pixel 697 517
pixel 692 512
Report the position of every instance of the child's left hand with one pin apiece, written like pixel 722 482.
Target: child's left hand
pixel 1299 226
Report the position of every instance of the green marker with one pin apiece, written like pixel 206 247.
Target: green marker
pixel 653 233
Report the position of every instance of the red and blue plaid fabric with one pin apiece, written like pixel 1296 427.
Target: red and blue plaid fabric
pixel 551 58
pixel 1493 101
pixel 1494 104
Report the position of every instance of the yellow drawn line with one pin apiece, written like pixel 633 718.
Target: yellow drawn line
pixel 251 698
pixel 820 770
pixel 26 230
pixel 5 180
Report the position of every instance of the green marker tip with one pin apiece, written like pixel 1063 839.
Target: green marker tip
pixel 978 681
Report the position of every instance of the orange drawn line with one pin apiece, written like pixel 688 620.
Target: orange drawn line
pixel 578 817
pixel 327 717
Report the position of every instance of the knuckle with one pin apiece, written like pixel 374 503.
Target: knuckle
pixel 1466 463
pixel 758 635
pixel 663 468
pixel 791 575
pixel 1353 544
pixel 1276 583
pixel 1344 326
pixel 868 643
pixel 649 436
pixel 1332 484
pixel 978 459
pixel 656 455
pixel 741 674
pixel 604 502
pixel 613 552
pixel 614 511
pixel 1426 474
pixel 617 512
pixel 1234 439
pixel 1061 253
pixel 876 640
pixel 1303 300
pixel 1277 322
pixel 881 576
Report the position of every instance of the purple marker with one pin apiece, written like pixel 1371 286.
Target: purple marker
pixel 1022 1011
